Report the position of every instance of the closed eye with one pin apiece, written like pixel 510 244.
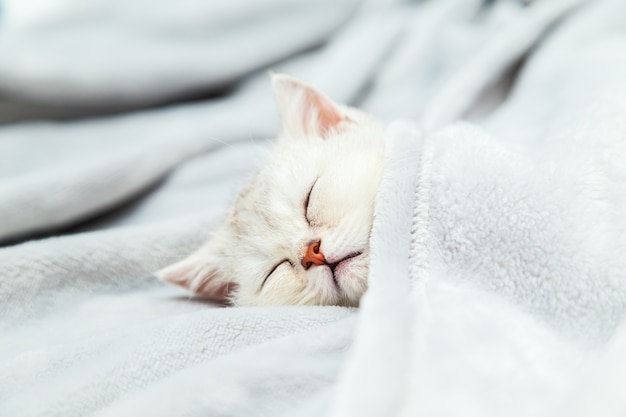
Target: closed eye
pixel 274 268
pixel 307 201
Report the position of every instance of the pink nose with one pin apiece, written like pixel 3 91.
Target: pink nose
pixel 313 255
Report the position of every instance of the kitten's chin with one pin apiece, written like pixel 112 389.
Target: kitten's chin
pixel 351 280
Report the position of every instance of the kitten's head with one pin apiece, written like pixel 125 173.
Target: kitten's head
pixel 299 232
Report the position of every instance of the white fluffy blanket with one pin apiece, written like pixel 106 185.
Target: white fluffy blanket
pixel 497 282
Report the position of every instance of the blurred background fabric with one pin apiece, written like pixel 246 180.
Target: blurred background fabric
pixel 70 58
pixel 127 128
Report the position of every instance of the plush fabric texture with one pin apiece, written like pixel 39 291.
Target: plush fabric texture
pixel 497 280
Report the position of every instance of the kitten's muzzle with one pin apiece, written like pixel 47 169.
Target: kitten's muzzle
pixel 314 256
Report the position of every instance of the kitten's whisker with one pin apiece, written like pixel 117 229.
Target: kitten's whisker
pixel 214 139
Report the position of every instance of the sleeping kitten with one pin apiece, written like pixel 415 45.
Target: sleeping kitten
pixel 299 232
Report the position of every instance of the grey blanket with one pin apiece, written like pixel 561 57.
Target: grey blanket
pixel 90 208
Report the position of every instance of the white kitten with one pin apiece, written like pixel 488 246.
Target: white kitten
pixel 299 232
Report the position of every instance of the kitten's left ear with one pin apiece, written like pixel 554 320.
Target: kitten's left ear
pixel 200 274
pixel 304 110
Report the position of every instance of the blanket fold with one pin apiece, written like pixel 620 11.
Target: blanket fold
pixel 161 53
pixel 497 278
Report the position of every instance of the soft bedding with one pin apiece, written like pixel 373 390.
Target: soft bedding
pixel 497 283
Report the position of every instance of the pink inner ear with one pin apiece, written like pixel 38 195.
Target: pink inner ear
pixel 194 274
pixel 313 112
pixel 219 291
pixel 328 114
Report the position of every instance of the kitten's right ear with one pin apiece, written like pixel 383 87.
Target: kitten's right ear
pixel 305 111
pixel 199 274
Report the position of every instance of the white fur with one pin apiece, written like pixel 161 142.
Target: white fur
pixel 267 222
